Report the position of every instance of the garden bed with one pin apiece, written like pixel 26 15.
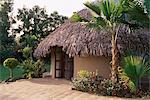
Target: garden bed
pixel 93 83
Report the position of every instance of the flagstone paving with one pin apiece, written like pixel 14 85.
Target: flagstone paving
pixel 45 89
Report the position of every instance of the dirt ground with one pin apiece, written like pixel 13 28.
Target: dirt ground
pixel 45 89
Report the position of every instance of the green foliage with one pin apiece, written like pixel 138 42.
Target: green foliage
pixel 33 69
pixel 126 12
pixel 147 6
pixel 135 68
pixel 28 66
pixel 75 17
pixel 34 25
pixel 4 54
pixel 118 89
pixel 10 63
pixel 109 14
pixel 82 80
pixel 37 24
pixel 4 73
pixel 84 74
pixel 126 80
pixel 135 15
pixel 92 82
pixel 95 85
pixel 93 7
pixel 5 8
pixel 39 65
pixel 26 52
pixel 81 84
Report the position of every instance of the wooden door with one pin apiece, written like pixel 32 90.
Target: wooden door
pixel 59 69
pixel 63 65
pixel 68 70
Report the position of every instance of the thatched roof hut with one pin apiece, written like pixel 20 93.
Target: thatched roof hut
pixel 78 39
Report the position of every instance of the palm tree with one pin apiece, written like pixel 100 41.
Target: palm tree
pixel 111 16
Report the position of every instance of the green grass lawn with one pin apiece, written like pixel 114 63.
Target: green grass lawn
pixel 4 73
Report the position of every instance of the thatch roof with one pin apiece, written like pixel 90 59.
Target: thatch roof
pixel 78 39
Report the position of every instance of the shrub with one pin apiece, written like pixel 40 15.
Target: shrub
pixel 83 74
pixel 126 80
pixel 135 68
pixel 94 83
pixel 81 82
pixel 39 65
pixel 87 82
pixel 33 69
pixel 11 63
pixel 28 66
pixel 119 89
pixel 26 52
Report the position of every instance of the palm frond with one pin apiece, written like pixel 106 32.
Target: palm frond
pixel 107 7
pixel 94 8
pixel 98 23
pixel 136 67
pixel 134 15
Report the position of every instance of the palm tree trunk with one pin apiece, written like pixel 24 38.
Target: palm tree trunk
pixel 115 60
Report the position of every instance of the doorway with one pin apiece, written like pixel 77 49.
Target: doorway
pixel 63 64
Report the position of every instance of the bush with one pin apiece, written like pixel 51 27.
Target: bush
pixel 33 69
pixel 28 66
pixel 40 69
pixel 81 82
pixel 84 74
pixel 87 81
pixel 26 52
pixel 119 89
pixel 94 83
pixel 10 63
pixel 135 68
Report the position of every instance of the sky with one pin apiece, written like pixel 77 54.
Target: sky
pixel 64 7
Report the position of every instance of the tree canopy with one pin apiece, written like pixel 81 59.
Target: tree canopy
pixel 36 24
pixel 5 9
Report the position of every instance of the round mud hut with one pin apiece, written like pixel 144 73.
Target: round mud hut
pixel 74 46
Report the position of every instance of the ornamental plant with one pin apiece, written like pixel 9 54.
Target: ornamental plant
pixel 94 83
pixel 33 69
pixel 135 68
pixel 10 63
pixel 27 52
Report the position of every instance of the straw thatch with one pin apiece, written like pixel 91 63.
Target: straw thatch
pixel 78 39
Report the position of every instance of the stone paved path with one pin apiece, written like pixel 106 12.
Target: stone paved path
pixel 45 89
